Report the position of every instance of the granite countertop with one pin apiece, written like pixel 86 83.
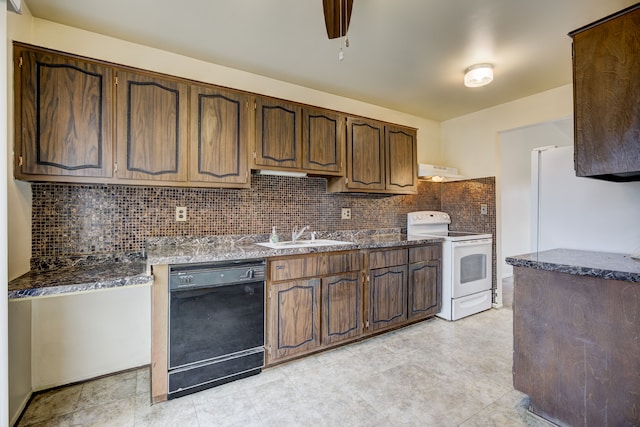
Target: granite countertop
pixel 79 278
pixel 239 247
pixel 54 277
pixel 602 265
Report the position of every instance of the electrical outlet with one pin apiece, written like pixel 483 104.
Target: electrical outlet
pixel 483 209
pixel 346 213
pixel 181 213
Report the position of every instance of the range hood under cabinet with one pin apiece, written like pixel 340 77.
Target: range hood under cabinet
pixel 438 173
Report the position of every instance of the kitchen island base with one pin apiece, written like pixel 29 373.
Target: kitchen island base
pixel 577 347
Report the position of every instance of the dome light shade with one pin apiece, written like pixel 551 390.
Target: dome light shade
pixel 478 75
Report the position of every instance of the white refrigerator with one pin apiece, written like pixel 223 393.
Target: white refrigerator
pixel 580 213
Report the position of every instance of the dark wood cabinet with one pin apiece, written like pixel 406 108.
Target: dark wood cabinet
pixel 424 297
pixel 387 289
pixel 323 138
pixel 401 159
pixel 606 62
pixel 365 155
pixel 62 115
pixel 278 134
pixel 341 308
pixel 294 326
pixel 152 132
pixel 381 158
pixel 314 302
pixel 220 123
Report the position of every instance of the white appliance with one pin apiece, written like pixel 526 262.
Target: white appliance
pixel 466 264
pixel 438 173
pixel 580 213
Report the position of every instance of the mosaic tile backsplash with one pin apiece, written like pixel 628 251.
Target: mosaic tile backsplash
pixel 79 220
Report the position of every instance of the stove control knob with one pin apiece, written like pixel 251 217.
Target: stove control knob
pixel 250 274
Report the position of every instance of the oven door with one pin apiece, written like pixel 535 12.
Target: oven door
pixel 215 321
pixel 471 267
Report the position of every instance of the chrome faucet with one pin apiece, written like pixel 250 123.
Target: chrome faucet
pixel 295 234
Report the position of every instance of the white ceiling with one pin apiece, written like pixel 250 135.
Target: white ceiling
pixel 407 55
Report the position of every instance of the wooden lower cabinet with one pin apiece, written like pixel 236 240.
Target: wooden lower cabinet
pixel 294 326
pixel 341 308
pixel 424 285
pixel 387 297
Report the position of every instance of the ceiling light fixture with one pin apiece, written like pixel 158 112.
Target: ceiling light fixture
pixel 478 75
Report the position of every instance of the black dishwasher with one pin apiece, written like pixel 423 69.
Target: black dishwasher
pixel 216 324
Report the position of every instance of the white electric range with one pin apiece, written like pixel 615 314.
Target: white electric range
pixel 466 263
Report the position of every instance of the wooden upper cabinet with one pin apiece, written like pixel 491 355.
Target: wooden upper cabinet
pixel 152 127
pixel 365 154
pixel 606 60
pixel 63 121
pixel 401 164
pixel 278 134
pixel 219 133
pixel 323 137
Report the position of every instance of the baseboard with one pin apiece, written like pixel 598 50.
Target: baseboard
pixel 16 417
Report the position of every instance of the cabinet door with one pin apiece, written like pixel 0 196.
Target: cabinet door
pixel 152 128
pixel 341 308
pixel 63 116
pixel 425 289
pixel 278 133
pixel 323 136
pixel 606 60
pixel 365 154
pixel 294 313
pixel 401 164
pixel 219 136
pixel 387 297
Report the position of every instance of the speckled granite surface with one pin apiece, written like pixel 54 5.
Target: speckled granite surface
pixel 111 271
pixel 79 278
pixel 583 263
pixel 238 247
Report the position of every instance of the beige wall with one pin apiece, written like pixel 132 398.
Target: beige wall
pixel 471 142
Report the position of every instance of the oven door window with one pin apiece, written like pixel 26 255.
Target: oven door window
pixel 473 267
pixel 212 322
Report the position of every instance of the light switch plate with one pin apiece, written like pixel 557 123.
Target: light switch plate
pixel 483 209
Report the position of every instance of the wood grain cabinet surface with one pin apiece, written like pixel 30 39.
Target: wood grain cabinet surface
pixel 387 289
pixel 152 128
pixel 381 158
pixel 278 134
pixel 323 139
pixel 313 302
pixel 219 136
pixel 63 116
pixel 424 297
pixel 606 60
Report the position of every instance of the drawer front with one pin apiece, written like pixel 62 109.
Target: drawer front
pixel 382 259
pixel 342 263
pixel 296 268
pixel 425 253
pixel 314 265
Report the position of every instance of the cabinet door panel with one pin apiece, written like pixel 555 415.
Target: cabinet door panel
pixel 425 289
pixel 388 297
pixel 324 140
pixel 341 308
pixel 606 61
pixel 400 149
pixel 65 122
pixel 219 135
pixel 295 318
pixel 152 131
pixel 365 152
pixel 278 132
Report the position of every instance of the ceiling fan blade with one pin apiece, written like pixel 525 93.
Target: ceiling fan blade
pixel 332 16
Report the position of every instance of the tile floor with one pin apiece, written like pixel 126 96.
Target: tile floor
pixel 434 373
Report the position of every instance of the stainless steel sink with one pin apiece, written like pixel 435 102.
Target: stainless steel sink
pixel 303 244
